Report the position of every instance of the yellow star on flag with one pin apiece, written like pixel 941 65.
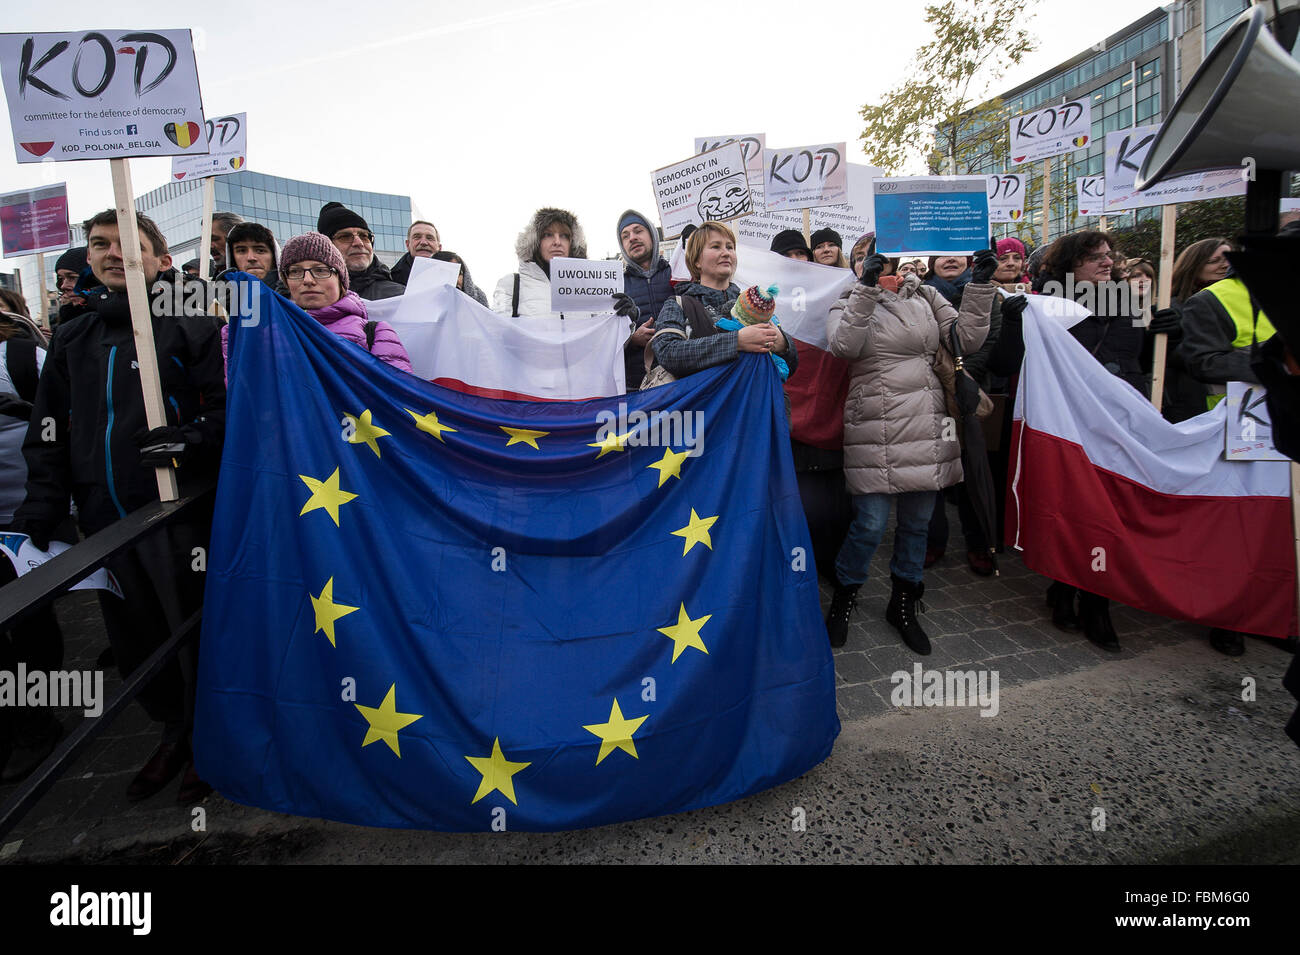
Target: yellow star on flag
pixel 686 633
pixel 327 611
pixel 366 432
pixel 523 436
pixel 385 721
pixel 498 773
pixel 670 465
pixel 617 733
pixel 325 495
pixel 696 532
pixel 430 423
pixel 611 442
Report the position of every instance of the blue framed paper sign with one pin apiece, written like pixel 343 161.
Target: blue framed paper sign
pixel 931 215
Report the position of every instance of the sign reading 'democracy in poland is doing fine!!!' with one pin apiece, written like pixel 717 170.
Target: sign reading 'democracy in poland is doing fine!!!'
pixel 1051 131
pixel 585 285
pixel 227 150
pixel 102 94
pixel 713 185
pixel 931 215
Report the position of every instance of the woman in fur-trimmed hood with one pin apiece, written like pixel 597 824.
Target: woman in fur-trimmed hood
pixel 551 233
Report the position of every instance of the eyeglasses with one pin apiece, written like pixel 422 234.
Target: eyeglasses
pixel 295 273
pixel 347 235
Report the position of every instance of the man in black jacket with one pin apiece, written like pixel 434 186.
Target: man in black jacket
pixel 89 441
pixel 367 276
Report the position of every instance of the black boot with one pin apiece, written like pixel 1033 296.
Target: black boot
pixel 1060 598
pixel 1094 612
pixel 837 618
pixel 904 604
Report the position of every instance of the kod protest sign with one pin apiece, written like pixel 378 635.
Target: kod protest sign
pixel 35 220
pixel 1051 131
pixel 751 147
pixel 585 285
pixel 1092 195
pixel 227 150
pixel 1125 151
pixel 804 177
pixel 850 219
pixel 713 186
pixel 102 95
pixel 1248 428
pixel 931 215
pixel 1006 197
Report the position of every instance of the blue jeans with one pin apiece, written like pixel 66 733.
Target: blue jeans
pixel 870 515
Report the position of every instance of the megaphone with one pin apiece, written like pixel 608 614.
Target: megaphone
pixel 1243 103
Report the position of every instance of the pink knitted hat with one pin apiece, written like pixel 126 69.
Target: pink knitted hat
pixel 314 247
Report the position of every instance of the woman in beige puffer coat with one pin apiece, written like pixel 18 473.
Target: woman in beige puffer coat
pixel 899 443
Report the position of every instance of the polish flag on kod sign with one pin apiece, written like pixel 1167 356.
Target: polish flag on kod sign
pixel 1108 496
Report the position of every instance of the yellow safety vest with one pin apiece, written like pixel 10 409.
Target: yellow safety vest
pixel 1235 299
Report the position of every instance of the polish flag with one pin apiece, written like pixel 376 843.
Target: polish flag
pixel 1106 495
pixel 456 342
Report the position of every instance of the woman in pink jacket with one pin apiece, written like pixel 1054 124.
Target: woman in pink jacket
pixel 317 278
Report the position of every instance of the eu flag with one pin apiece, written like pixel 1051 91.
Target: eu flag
pixel 434 610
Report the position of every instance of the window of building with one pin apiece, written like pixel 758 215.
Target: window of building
pixel 1218 16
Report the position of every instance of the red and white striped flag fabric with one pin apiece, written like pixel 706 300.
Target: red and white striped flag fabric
pixel 455 341
pixel 1106 495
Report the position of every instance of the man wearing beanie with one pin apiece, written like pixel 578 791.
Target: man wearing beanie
pixel 367 276
pixel 646 281
pixel 67 270
pixel 790 243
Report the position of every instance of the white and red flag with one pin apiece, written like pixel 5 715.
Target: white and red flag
pixel 1106 495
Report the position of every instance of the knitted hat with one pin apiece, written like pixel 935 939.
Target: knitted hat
pixel 335 216
pixel 788 240
pixel 74 260
pixel 755 305
pixel 1010 245
pixel 314 247
pixel 827 235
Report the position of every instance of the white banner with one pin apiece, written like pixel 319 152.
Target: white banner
pixel 1007 197
pixel 807 290
pixel 102 95
pixel 1051 131
pixel 585 285
pixel 1125 151
pixel 227 150
pixel 713 186
pixel 1091 194
pixel 804 177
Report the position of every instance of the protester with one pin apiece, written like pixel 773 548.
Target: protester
pixel 902 268
pixel 67 271
pixel 252 250
pixel 1141 282
pixel 828 248
pixel 647 284
pixel 948 275
pixel 1011 264
pixel 367 277
pixel 103 455
pixel 463 281
pixel 222 223
pixel 552 233
pixel 1198 266
pixel 687 335
pixel 317 278
pixel 894 445
pixel 791 244
pixel 422 241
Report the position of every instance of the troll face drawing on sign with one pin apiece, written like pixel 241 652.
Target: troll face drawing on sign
pixel 726 199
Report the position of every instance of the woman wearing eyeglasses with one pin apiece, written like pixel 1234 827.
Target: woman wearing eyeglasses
pixel 317 278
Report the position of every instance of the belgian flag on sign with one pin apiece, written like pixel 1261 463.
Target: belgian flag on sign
pixel 236 162
pixel 184 135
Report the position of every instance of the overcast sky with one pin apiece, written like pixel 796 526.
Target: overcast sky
pixel 483 117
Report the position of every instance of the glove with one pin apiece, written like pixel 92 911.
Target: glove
pixel 623 305
pixel 1167 321
pixel 986 263
pixel 167 446
pixel 38 532
pixel 871 270
pixel 1013 309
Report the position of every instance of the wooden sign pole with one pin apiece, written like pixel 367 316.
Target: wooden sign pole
pixel 1047 196
pixel 205 237
pixel 1103 224
pixel 141 322
pixel 807 227
pixel 1168 225
pixel 45 296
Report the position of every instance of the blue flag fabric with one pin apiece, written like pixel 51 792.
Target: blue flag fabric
pixel 426 607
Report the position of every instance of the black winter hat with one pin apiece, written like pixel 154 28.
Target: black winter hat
pixel 74 260
pixel 788 240
pixel 827 235
pixel 335 216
